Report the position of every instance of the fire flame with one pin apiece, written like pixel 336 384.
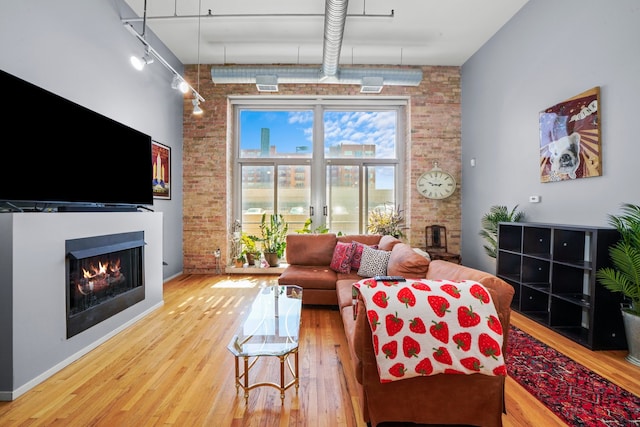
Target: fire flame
pixel 98 277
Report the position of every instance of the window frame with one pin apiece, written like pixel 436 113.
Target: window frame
pixel 318 162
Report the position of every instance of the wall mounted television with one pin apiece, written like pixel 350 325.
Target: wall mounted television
pixel 61 153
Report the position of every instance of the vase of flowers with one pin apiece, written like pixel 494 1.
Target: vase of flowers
pixel 387 220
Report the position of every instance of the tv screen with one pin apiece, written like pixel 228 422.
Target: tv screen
pixel 60 152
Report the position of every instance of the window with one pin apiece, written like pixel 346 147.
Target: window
pixel 329 160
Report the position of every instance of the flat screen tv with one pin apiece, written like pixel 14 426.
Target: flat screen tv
pixel 62 153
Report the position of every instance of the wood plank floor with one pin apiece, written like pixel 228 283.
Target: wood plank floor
pixel 173 368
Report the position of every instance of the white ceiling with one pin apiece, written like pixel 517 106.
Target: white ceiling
pixel 421 32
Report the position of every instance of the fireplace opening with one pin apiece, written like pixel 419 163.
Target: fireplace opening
pixel 105 275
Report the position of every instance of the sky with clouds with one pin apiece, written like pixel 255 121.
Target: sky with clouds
pixel 292 131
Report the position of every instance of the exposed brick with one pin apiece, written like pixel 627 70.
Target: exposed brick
pixel 433 133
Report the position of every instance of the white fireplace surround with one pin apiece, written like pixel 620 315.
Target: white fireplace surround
pixel 33 342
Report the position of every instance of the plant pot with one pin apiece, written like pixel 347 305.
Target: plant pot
pixel 239 263
pixel 272 259
pixel 251 259
pixel 632 332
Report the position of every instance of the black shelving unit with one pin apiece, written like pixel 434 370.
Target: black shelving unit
pixel 552 269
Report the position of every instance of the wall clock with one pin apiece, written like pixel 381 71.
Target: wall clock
pixel 436 184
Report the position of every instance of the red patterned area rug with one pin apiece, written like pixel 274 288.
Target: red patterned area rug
pixel 577 395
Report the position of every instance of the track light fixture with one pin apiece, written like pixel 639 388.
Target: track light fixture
pixel 179 81
pixel 180 84
pixel 196 106
pixel 139 63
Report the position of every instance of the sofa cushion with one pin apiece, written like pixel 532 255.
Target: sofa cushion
pixel 341 260
pixel 404 261
pixel 310 249
pixel 388 242
pixel 366 239
pixel 344 290
pixel 374 262
pixel 309 276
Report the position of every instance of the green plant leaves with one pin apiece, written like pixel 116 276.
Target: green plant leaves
pixel 624 276
pixel 490 221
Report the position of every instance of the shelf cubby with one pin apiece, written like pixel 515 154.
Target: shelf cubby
pixel 552 269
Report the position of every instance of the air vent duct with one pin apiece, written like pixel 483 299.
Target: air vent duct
pixel 267 83
pixel 371 79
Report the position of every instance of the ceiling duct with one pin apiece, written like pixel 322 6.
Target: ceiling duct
pixel 371 79
pixel 347 76
pixel 335 15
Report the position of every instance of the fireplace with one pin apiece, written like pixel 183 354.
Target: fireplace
pixel 104 276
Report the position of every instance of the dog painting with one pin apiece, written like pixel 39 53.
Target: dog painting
pixel 570 139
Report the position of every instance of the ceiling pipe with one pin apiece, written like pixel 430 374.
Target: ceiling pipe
pixel 255 15
pixel 312 75
pixel 329 73
pixel 334 19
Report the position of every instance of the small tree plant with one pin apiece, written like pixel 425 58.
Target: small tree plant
pixel 490 220
pixel 624 276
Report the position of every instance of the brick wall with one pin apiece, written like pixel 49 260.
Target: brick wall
pixel 433 134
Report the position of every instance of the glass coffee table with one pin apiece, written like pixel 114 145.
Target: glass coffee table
pixel 270 329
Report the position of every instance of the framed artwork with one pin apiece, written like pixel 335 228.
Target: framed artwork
pixel 161 158
pixel 570 145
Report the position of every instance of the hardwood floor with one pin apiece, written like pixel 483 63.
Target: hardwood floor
pixel 173 368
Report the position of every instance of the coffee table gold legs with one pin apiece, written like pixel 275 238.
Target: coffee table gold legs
pixel 282 378
pixel 242 379
pixel 246 379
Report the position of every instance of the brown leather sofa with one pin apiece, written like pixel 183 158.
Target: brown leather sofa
pixel 476 399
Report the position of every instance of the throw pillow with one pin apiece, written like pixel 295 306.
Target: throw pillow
pixel 374 262
pixel 357 254
pixel 405 261
pixel 341 260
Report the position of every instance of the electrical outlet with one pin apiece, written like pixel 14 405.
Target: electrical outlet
pixel 534 199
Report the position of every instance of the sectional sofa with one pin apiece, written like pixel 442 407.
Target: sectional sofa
pixel 314 264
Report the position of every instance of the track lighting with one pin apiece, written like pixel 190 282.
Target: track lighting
pixel 179 83
pixel 196 106
pixel 139 63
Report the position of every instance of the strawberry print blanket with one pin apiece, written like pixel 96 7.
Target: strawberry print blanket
pixel 427 327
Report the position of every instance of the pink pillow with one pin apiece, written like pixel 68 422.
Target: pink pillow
pixel 341 260
pixel 356 258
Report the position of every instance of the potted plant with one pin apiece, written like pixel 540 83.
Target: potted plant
pixel 624 276
pixel 249 247
pixel 490 220
pixel 274 233
pixel 240 259
pixel 387 220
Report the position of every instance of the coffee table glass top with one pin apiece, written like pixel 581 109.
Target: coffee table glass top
pixel 272 325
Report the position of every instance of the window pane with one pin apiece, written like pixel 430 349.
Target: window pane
pixel 294 194
pixel 381 187
pixel 360 134
pixel 343 189
pixel 257 196
pixel 270 134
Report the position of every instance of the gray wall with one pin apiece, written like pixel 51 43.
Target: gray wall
pixel 80 50
pixel 33 338
pixel 548 52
